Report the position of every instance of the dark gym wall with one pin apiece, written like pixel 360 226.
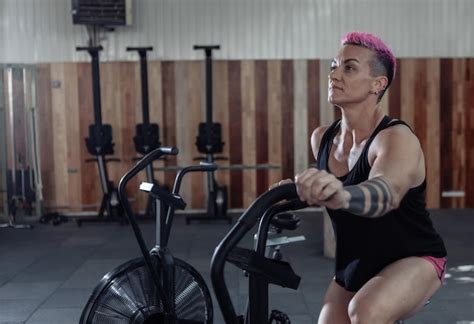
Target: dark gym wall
pixel 255 102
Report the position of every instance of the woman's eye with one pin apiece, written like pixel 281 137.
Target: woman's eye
pixel 349 68
pixel 332 68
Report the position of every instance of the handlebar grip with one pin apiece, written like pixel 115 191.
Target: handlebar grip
pixel 206 166
pixel 169 150
pixel 165 196
pixel 147 159
pixel 203 167
pixel 204 47
pixel 131 48
pixel 89 48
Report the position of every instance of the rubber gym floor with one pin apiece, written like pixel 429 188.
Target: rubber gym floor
pixel 48 273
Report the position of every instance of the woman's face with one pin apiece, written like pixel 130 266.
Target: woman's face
pixel 349 77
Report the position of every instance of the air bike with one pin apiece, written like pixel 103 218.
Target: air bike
pixel 155 288
pixel 262 271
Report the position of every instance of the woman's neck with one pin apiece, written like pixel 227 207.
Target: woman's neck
pixel 360 123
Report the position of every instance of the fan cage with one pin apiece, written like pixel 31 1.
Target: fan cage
pixel 128 295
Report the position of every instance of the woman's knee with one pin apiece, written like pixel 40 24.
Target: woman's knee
pixel 332 313
pixel 361 311
pixel 334 309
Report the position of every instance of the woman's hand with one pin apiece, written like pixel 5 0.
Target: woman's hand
pixel 318 187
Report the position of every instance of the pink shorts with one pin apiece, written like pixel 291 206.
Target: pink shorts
pixel 439 265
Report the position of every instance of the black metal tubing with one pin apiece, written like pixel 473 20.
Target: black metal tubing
pixel 142 52
pixel 144 80
pixel 266 219
pixel 147 159
pixel 167 197
pixel 211 181
pixel 98 128
pixel 234 236
pixel 177 186
pixel 209 105
pixel 94 53
pixel 258 288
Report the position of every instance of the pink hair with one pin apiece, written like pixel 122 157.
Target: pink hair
pixel 372 42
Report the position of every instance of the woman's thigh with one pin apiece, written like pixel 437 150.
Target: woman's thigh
pixel 398 291
pixel 335 305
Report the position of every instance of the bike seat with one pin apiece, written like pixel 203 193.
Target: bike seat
pixel 285 221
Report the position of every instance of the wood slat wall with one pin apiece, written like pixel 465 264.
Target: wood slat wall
pixel 268 110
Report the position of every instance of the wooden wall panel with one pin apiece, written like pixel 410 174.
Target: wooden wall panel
pixel 418 105
pixel 287 120
pixel 235 132
pixel 268 110
pixel 275 123
pixel 394 96
pixel 300 117
pixel 196 112
pixel 261 123
pixel 249 155
pixel 408 91
pixel 432 146
pixel 134 107
pixel 72 116
pixel 469 133
pixel 446 101
pixel 314 100
pixel 459 123
pixel 155 94
pixel 121 111
pixel 221 113
pixel 183 118
pixel 327 112
pixel 59 126
pixel 45 133
pixel 169 116
pixel 89 175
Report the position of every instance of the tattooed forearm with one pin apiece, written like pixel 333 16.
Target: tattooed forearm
pixel 371 198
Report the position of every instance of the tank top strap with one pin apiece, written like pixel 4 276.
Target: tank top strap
pixel 384 123
pixel 331 132
pixel 363 169
pixel 394 122
pixel 325 143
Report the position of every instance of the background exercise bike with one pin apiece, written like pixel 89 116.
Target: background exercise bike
pixel 155 288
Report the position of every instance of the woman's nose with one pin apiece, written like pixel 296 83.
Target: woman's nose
pixel 334 74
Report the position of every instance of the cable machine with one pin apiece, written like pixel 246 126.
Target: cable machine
pixel 21 185
pixel 3 152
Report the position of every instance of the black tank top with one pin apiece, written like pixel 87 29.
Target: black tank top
pixel 364 246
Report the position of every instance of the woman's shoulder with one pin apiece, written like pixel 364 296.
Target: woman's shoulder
pixel 317 136
pixel 397 135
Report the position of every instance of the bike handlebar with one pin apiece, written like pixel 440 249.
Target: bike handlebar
pixel 235 235
pixel 122 195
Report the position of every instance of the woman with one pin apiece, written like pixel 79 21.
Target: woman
pixel 371 177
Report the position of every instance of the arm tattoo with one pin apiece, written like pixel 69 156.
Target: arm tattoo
pixel 370 199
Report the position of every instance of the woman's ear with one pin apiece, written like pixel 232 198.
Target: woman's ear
pixel 380 83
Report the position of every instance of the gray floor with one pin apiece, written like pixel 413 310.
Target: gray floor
pixel 48 273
